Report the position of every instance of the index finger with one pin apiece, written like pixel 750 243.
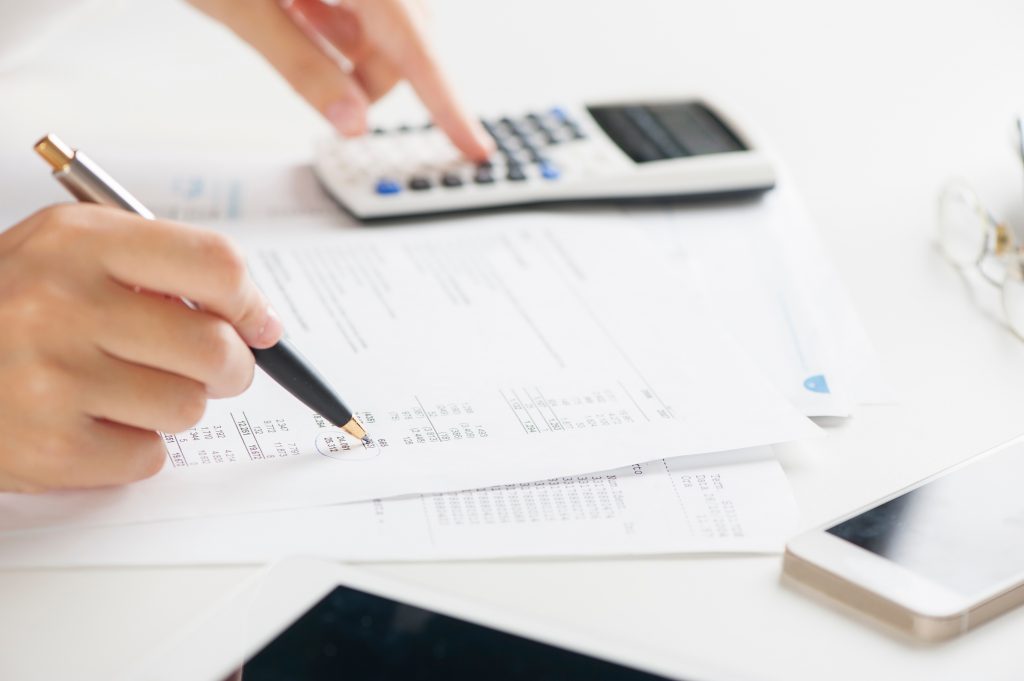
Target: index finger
pixel 407 46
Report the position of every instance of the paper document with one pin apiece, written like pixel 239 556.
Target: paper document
pixel 761 263
pixel 490 352
pixel 185 188
pixel 755 281
pixel 728 502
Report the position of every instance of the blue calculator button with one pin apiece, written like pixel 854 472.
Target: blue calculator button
pixel 388 186
pixel 549 172
pixel 559 114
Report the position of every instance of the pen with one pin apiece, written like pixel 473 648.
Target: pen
pixel 88 182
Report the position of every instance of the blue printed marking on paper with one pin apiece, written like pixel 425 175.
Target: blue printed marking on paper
pixel 816 384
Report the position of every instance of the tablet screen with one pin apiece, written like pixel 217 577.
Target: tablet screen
pixel 358 636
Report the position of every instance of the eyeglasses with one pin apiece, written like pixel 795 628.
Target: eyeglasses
pixel 972 239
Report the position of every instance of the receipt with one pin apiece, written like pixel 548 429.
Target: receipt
pixel 729 502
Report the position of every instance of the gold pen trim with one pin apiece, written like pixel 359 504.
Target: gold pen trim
pixel 55 152
pixel 356 430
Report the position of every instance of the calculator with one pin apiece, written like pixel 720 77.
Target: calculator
pixel 583 153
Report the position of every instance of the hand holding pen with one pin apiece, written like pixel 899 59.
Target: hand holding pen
pixel 97 354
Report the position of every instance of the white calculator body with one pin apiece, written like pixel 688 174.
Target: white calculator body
pixel 591 152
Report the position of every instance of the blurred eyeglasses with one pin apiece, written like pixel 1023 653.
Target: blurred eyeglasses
pixel 972 239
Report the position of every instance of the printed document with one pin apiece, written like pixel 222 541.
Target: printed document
pixel 761 263
pixel 491 351
pixel 726 502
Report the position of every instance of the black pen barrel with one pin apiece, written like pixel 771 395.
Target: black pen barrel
pixel 284 364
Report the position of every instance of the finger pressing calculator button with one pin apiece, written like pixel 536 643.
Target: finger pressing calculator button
pixel 451 180
pixel 388 186
pixel 515 173
pixel 483 176
pixel 419 183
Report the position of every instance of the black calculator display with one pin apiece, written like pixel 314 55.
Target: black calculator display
pixel 665 131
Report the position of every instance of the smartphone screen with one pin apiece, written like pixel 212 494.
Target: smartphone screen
pixel 358 636
pixel 964 530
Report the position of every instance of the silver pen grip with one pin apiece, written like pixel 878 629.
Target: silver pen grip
pixel 88 182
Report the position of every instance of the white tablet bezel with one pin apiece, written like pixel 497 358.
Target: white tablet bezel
pixel 245 621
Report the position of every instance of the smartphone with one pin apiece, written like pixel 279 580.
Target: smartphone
pixel 318 621
pixel 932 560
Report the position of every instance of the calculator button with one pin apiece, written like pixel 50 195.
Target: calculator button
pixel 532 153
pixel 491 128
pixel 515 173
pixel 520 130
pixel 559 114
pixel 387 186
pixel 451 180
pixel 549 172
pixel 419 183
pixel 575 130
pixel 483 176
pixel 484 164
pixel 549 135
pixel 513 157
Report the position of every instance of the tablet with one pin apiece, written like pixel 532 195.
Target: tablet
pixel 306 620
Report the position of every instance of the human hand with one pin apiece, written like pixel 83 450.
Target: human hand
pixel 97 354
pixel 384 42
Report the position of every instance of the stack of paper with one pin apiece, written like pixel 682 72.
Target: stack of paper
pixel 507 358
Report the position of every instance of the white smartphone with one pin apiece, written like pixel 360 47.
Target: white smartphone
pixel 933 560
pixel 319 621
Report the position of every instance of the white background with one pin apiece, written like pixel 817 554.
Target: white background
pixel 870 104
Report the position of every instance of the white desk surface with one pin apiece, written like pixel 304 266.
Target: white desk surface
pixel 871 104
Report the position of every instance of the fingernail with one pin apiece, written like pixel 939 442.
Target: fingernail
pixel 348 116
pixel 271 331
